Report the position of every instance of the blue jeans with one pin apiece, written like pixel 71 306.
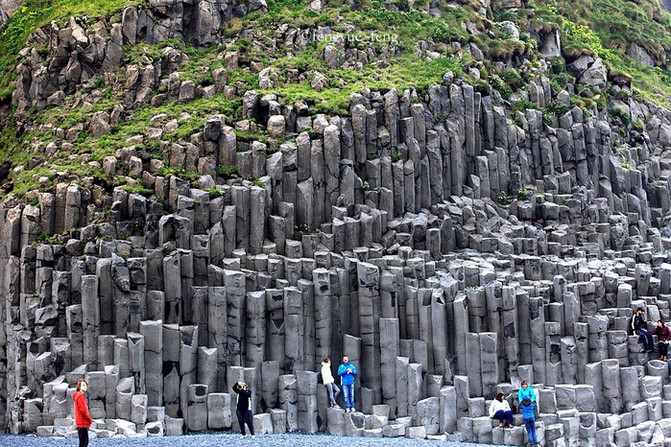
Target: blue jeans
pixel 646 337
pixel 348 391
pixel 530 425
pixel 505 417
pixel 333 391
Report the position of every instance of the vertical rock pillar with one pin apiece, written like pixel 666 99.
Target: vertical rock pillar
pixel 136 346
pixel 152 331
pixel 217 327
pixel 389 339
pixel 293 320
pixel 306 388
pixel 255 329
pixel 368 277
pixel 323 313
pixel 90 320
pixel 235 299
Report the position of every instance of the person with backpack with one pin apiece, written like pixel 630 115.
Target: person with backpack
pixel 242 409
pixel 640 327
pixel 329 383
pixel 663 333
pixel 529 414
pixel 347 371
pixel 82 416
pixel 500 409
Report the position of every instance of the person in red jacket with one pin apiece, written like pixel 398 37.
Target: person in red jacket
pixel 664 335
pixel 82 417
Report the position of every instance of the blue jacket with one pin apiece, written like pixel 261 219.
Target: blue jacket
pixel 528 411
pixel 347 378
pixel 527 393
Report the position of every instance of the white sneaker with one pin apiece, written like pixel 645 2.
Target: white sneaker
pixel 253 437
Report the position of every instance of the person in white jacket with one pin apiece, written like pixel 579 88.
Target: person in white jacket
pixel 500 409
pixel 329 382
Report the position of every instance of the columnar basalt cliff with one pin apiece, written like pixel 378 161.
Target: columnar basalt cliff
pixel 450 246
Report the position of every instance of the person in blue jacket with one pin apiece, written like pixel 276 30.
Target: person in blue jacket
pixel 347 371
pixel 526 392
pixel 529 414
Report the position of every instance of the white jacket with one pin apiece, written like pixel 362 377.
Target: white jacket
pixel 327 377
pixel 496 406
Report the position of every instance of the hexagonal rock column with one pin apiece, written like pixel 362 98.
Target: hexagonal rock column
pixel 197 419
pixel 219 411
pixel 288 400
pixel 90 319
pixel 306 387
pixel 152 331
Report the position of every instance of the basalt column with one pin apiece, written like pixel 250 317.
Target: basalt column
pixel 368 278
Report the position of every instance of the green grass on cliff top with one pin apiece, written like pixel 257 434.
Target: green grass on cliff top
pixel 404 71
pixel 33 14
pixel 605 29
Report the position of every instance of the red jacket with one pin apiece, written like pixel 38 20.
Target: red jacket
pixel 663 333
pixel 82 416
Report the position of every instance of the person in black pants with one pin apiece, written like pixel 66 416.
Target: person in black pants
pixel 640 328
pixel 242 410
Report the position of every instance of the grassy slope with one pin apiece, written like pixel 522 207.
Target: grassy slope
pixel 33 14
pixel 605 28
pixel 404 71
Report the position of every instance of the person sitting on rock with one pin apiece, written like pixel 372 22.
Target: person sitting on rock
pixel 529 414
pixel 640 327
pixel 500 409
pixel 663 333
pixel 329 382
pixel 526 392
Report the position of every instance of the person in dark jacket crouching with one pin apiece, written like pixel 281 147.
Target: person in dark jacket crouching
pixel 242 409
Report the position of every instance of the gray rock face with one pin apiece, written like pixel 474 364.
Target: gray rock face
pixel 449 252
pixel 276 126
pixel 640 55
pixel 7 8
pixel 101 48
pixel 551 44
pixel 595 75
